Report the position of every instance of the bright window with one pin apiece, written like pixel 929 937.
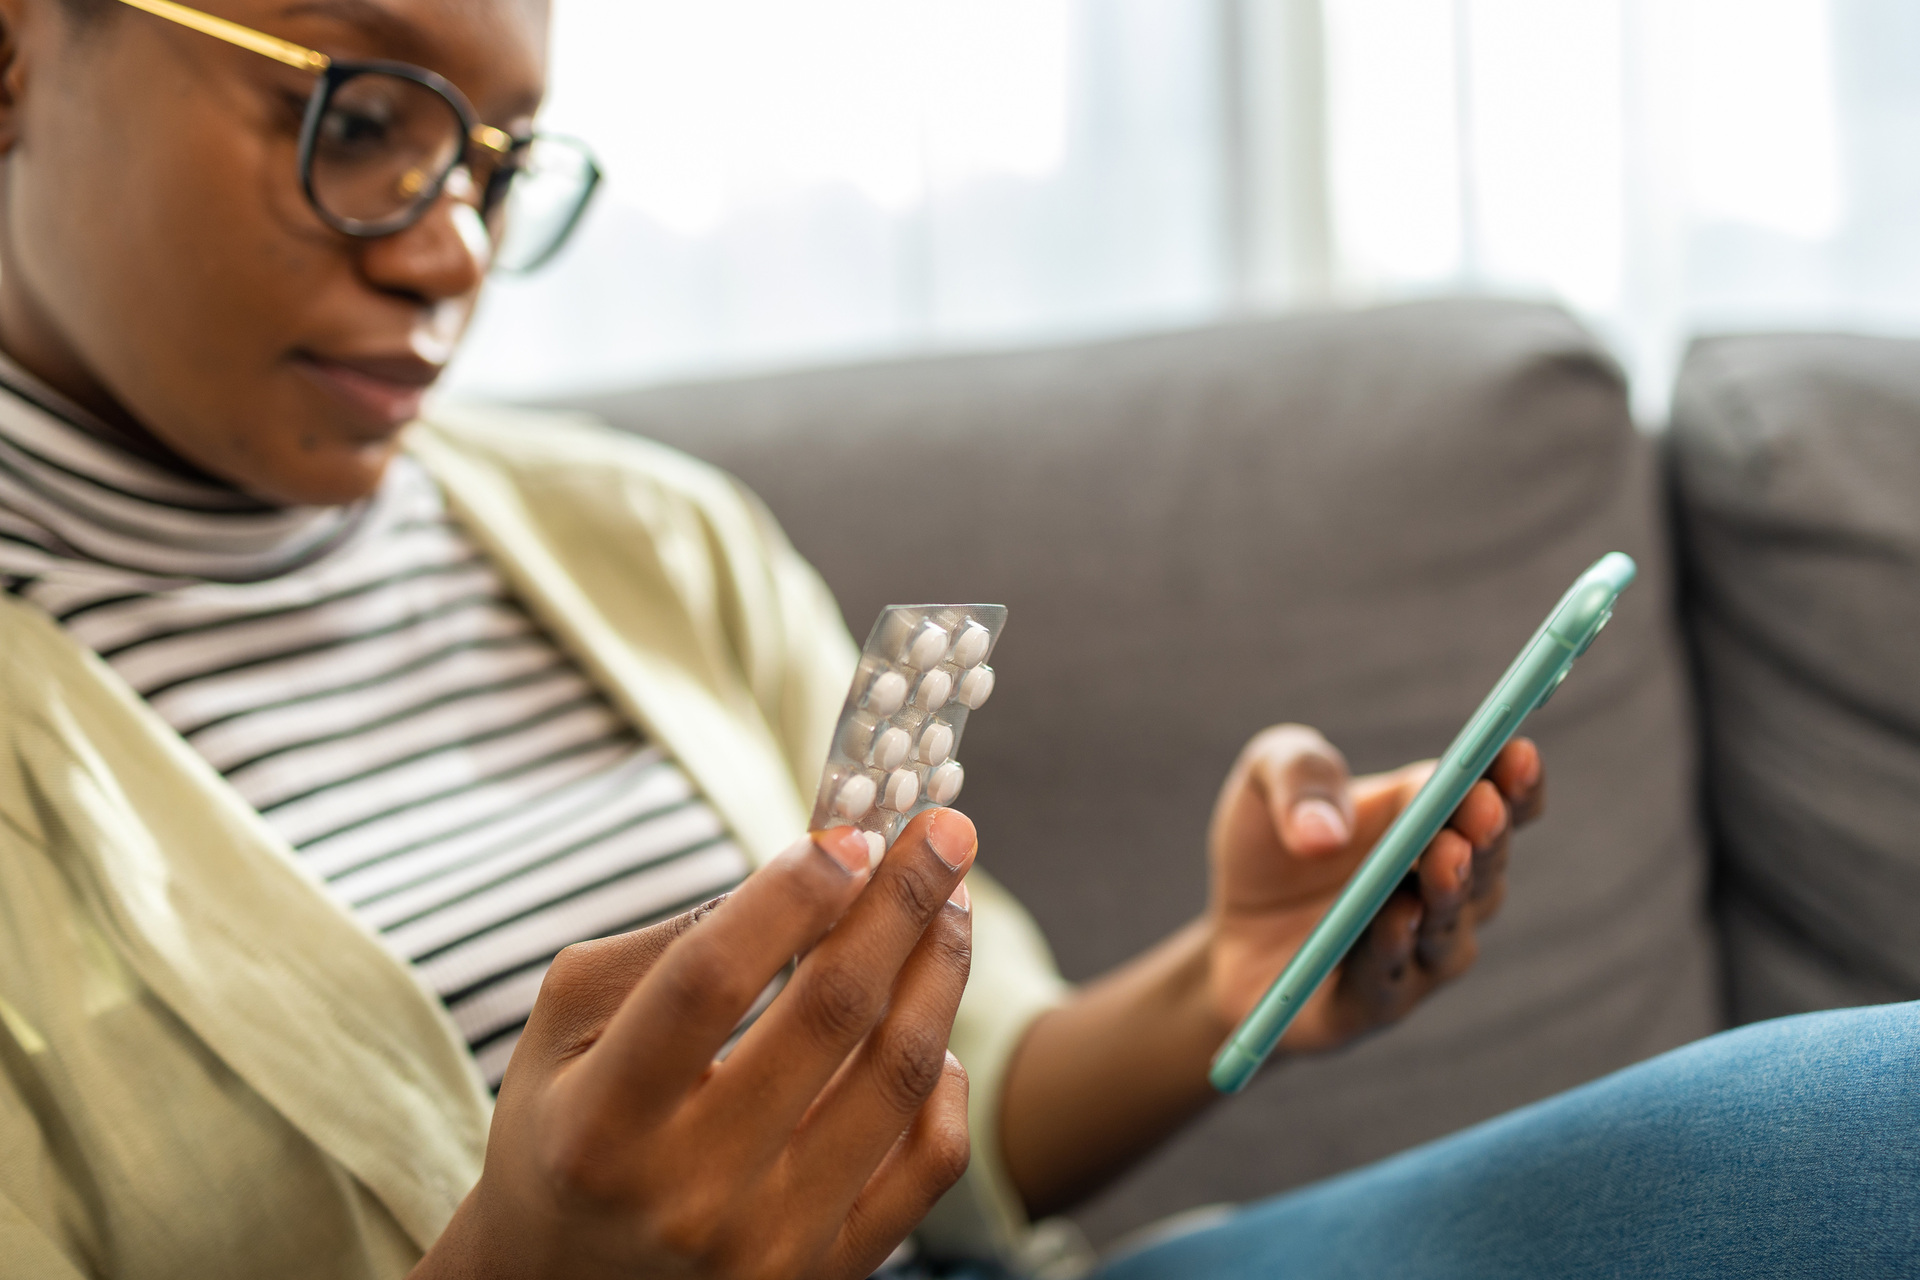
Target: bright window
pixel 794 180
pixel 804 180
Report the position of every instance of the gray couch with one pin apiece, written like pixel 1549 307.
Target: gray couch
pixel 1353 520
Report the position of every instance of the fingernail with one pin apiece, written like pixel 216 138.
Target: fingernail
pixel 960 897
pixel 845 845
pixel 1320 821
pixel 950 837
pixel 1464 873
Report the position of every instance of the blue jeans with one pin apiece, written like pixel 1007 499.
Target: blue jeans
pixel 1785 1149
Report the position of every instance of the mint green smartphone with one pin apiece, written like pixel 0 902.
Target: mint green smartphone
pixel 1530 681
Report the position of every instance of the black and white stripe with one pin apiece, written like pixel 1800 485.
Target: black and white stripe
pixel 363 677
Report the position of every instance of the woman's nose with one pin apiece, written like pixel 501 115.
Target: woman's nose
pixel 444 255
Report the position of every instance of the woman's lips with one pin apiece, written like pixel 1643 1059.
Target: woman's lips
pixel 386 390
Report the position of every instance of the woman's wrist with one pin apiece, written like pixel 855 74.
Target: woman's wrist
pixel 1101 1079
pixel 1211 1009
pixel 1196 985
pixel 452 1256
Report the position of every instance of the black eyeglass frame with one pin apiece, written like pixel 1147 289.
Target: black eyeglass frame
pixel 493 191
pixel 331 75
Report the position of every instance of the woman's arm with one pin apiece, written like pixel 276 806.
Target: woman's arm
pixel 1101 1079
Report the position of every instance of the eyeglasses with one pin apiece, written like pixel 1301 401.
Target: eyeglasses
pixel 380 142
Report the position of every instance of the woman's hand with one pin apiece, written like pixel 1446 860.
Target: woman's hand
pixel 621 1147
pixel 1098 1080
pixel 1289 829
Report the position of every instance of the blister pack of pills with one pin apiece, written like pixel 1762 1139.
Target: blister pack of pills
pixel 922 672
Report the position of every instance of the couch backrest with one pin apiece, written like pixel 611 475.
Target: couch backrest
pixel 1350 520
pixel 1797 468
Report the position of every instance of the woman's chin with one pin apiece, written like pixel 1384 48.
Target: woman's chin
pixel 313 473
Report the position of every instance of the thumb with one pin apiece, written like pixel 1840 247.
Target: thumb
pixel 1305 780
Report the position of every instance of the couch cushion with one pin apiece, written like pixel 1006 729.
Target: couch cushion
pixel 1797 465
pixel 1349 520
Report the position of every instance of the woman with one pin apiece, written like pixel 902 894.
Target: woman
pixel 322 742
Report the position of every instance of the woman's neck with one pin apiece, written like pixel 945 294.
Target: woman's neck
pixel 33 350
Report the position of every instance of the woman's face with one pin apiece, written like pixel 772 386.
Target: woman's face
pixel 160 265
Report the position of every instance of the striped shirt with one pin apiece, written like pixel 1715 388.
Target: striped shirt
pixel 363 677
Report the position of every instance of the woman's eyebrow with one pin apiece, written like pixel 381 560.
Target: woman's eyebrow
pixel 375 20
pixel 387 28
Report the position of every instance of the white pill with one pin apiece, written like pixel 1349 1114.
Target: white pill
pixel 943 784
pixel 891 747
pixel 896 628
pixel 876 847
pixel 936 744
pixel 976 687
pixel 928 646
pixel 854 797
pixel 903 789
pixel 971 646
pixel 887 694
pixel 935 688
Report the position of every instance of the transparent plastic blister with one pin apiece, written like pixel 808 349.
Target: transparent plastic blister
pixel 922 672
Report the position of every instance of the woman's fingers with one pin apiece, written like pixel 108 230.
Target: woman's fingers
pixel 1444 883
pixel 873 1099
pixel 843 986
pixel 1418 941
pixel 1461 876
pixel 1489 879
pixel 585 986
pixel 1446 878
pixel 1482 816
pixel 1381 978
pixel 665 1033
pixel 1520 774
pixel 609 1146
pixel 924 1162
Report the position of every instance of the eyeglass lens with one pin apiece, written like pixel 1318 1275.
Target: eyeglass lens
pixel 384 144
pixel 381 148
pixel 551 180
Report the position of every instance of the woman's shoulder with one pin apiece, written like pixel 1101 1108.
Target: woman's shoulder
pixel 582 482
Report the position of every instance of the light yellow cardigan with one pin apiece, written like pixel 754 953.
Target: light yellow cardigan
pixel 207 1068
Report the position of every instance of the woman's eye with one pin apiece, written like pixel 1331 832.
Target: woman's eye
pixel 353 129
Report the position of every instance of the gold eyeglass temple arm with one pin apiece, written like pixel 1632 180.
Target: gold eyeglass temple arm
pixel 294 55
pixel 279 50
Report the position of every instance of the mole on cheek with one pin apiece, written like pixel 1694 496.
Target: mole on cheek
pixel 309 442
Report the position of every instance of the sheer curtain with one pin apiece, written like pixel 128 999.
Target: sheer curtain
pixel 800 180
pixel 795 180
pixel 1663 166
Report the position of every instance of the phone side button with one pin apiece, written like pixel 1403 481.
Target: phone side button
pixel 1485 734
pixel 1593 635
